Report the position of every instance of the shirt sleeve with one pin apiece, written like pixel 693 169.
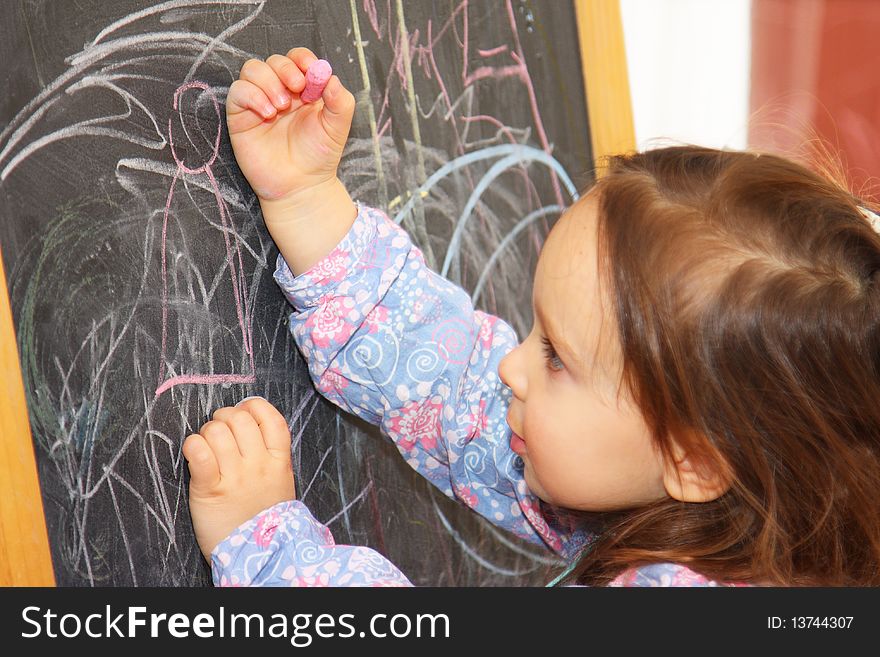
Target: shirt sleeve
pixel 663 575
pixel 398 345
pixel 285 546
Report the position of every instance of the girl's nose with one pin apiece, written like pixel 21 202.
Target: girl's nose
pixel 512 374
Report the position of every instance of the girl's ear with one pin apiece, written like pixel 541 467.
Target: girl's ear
pixel 689 477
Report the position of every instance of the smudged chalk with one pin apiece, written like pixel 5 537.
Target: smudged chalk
pixel 317 77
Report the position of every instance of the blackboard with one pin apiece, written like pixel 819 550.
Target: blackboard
pixel 140 275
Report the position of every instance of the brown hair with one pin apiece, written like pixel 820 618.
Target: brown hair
pixel 748 312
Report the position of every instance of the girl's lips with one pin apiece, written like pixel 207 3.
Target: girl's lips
pixel 517 444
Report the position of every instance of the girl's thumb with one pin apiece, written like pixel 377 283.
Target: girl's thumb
pixel 338 109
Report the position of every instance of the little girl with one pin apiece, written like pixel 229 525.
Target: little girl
pixel 696 404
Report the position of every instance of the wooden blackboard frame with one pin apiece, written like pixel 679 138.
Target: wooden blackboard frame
pixel 24 543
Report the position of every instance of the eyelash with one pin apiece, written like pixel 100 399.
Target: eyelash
pixel 550 355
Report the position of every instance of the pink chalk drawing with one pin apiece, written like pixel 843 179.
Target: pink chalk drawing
pixel 233 259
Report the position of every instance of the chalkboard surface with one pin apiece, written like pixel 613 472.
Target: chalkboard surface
pixel 140 272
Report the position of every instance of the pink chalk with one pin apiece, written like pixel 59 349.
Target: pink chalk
pixel 317 77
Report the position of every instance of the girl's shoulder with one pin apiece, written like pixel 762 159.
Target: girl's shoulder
pixel 665 574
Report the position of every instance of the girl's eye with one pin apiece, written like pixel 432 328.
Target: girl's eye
pixel 553 361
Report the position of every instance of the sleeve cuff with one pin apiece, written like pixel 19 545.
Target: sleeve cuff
pixel 264 534
pixel 307 289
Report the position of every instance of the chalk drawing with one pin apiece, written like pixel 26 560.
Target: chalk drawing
pixel 112 396
pixel 233 258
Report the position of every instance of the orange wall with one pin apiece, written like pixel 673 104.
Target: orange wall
pixel 816 72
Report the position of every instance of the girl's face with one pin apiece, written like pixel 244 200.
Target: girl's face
pixel 585 445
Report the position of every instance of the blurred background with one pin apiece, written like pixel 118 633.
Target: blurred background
pixel 797 77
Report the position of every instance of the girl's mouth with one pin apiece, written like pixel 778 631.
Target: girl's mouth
pixel 517 444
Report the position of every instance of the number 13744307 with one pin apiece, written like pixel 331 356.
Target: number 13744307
pixel 809 622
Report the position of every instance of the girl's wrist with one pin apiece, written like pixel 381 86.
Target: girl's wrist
pixel 308 224
pixel 305 202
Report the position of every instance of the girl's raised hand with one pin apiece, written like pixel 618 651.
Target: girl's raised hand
pixel 283 145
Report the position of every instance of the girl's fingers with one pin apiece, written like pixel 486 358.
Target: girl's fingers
pixel 339 106
pixel 302 57
pixel 273 426
pixel 287 72
pixel 219 437
pixel 244 430
pixel 203 467
pixel 261 74
pixel 247 106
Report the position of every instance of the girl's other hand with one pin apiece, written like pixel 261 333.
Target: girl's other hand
pixel 239 464
pixel 282 145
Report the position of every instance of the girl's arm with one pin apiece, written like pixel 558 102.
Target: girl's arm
pixel 394 343
pixel 289 151
pixel 386 338
pixel 285 546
